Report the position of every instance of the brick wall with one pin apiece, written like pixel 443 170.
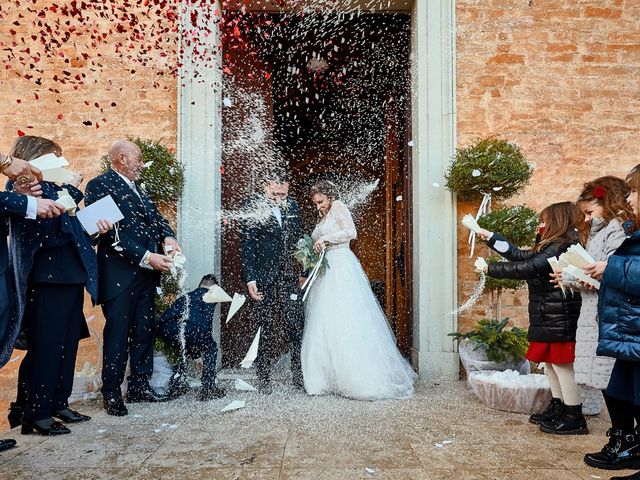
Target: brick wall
pixel 558 78
pixel 128 102
pixel 561 80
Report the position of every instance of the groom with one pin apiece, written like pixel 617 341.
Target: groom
pixel 267 246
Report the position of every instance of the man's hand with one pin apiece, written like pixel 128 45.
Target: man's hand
pixel 19 168
pixel 301 281
pixel 33 189
pixel 171 246
pixel 595 270
pixel 48 208
pixel 104 226
pixel 254 292
pixel 160 262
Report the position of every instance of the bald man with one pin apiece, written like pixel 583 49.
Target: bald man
pixel 130 261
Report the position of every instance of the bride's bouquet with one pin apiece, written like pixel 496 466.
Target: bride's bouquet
pixel 307 257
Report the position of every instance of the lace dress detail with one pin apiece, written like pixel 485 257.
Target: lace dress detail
pixel 337 228
pixel 348 348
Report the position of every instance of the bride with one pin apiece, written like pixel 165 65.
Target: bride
pixel 348 348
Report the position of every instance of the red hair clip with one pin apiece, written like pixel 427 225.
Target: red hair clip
pixel 599 192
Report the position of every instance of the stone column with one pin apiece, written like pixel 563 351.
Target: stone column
pixel 199 149
pixel 434 208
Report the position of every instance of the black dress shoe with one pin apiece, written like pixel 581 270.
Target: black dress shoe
pixel 70 416
pixel 48 426
pixel 15 415
pixel 115 407
pixel 7 444
pixel 146 395
pixel 209 393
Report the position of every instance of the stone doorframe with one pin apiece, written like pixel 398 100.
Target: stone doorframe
pixel 434 210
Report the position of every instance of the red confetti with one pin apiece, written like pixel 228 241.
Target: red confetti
pixel 21 133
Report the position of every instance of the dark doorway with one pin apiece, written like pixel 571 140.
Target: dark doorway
pixel 329 95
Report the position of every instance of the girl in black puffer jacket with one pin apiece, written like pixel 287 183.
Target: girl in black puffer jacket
pixel 553 316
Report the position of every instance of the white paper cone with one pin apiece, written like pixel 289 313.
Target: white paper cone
pixel 235 405
pixel 49 161
pixel 244 386
pixel 470 222
pixel 216 295
pixel 66 200
pixel 252 353
pixel 236 303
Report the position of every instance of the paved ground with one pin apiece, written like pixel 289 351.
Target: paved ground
pixel 441 433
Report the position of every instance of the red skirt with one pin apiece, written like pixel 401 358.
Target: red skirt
pixel 556 352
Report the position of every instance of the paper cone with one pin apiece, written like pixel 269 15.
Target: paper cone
pixel 66 200
pixel 252 354
pixel 216 295
pixel 57 175
pixel 470 223
pixel 244 386
pixel 49 161
pixel 235 405
pixel 236 303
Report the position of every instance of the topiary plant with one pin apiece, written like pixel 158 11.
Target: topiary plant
pixel 502 345
pixel 492 166
pixel 163 178
pixel 519 225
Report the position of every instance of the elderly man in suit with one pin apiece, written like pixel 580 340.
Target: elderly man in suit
pixel 14 204
pixel 272 277
pixel 130 261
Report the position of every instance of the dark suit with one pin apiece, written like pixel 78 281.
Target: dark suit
pixel 11 204
pixel 267 258
pixel 198 336
pixel 54 260
pixel 125 288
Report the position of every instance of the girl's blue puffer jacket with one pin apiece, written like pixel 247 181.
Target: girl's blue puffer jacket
pixel 619 303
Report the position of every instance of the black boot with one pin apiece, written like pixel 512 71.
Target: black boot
pixel 621 452
pixel 177 387
pixel 15 415
pixel 570 421
pixel 207 393
pixel 550 413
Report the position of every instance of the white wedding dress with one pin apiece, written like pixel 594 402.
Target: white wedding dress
pixel 348 348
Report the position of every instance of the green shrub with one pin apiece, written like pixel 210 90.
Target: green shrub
pixel 518 224
pixel 492 166
pixel 502 345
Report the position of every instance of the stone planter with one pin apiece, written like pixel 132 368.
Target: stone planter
pixel 475 360
pixel 511 392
